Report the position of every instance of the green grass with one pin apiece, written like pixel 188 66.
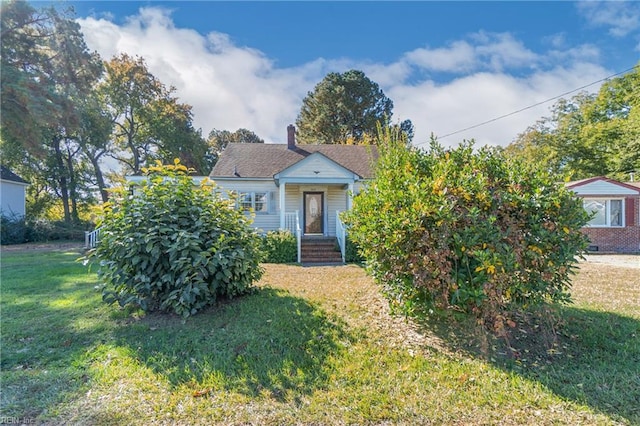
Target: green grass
pixel 311 345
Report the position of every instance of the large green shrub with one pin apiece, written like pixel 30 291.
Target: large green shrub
pixel 466 230
pixel 280 247
pixel 175 246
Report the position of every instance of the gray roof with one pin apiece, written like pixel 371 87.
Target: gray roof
pixel 260 160
pixel 6 174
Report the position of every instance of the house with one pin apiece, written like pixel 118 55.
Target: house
pixel 615 226
pixel 302 188
pixel 12 194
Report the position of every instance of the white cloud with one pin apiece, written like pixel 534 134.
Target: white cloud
pixel 621 17
pixel 231 86
pixel 481 97
pixel 485 51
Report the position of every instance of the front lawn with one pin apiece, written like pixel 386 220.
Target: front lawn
pixel 311 345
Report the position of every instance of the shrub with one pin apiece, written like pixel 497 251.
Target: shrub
pixel 18 230
pixel 175 246
pixel 13 230
pixel 280 247
pixel 351 252
pixel 466 230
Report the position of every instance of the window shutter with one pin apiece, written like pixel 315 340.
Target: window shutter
pixel 630 211
pixel 272 202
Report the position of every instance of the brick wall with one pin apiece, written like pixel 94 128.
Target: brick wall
pixel 619 240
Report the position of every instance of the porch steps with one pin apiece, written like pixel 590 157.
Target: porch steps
pixel 320 251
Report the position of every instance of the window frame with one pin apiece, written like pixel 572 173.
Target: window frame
pixel 243 205
pixel 607 211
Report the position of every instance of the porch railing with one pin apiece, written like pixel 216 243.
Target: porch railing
pixel 91 238
pixel 341 235
pixel 299 236
pixel 290 221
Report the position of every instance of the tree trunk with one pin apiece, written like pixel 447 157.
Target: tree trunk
pixel 62 178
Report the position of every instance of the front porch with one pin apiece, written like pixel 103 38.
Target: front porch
pixel 316 248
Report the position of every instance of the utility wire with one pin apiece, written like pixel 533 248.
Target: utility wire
pixel 534 105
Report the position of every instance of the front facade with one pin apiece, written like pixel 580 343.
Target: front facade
pixel 615 225
pixel 12 194
pixel 293 186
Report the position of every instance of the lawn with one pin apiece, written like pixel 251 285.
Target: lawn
pixel 310 346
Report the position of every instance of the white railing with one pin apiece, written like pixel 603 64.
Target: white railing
pixel 299 236
pixel 341 235
pixel 91 238
pixel 291 221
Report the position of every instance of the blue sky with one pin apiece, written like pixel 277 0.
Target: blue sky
pixel 446 65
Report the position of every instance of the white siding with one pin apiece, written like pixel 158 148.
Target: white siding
pixel 12 199
pixel 262 221
pixel 308 167
pixel 602 187
pixel 293 201
pixel 336 200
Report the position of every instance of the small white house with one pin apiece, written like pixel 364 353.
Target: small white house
pixel 301 188
pixel 12 194
pixel 282 183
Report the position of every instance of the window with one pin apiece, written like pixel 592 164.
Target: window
pixel 606 212
pixel 259 202
pixel 245 201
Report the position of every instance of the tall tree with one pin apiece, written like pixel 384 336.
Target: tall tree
pixel 47 68
pixel 219 139
pixel 589 134
pixel 129 90
pixel 149 122
pixel 26 103
pixel 343 107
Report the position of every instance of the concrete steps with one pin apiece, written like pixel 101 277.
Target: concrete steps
pixel 320 251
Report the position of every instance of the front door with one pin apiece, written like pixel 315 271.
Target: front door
pixel 313 217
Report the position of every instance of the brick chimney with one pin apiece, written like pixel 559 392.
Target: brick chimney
pixel 291 136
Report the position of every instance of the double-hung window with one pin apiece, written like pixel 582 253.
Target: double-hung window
pixel 606 212
pixel 256 201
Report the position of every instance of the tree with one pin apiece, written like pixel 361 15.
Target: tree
pixel 175 137
pixel 219 139
pixel 175 246
pixel 589 134
pixel 48 69
pixel 344 107
pixel 465 230
pixel 27 104
pixel 149 122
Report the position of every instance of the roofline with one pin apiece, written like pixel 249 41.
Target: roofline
pixel 15 182
pixel 263 178
pixel 277 175
pixel 571 185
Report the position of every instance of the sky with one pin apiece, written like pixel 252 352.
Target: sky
pixel 447 66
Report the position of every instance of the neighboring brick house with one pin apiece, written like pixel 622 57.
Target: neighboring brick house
pixel 615 226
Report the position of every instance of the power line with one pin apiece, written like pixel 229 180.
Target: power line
pixel 533 106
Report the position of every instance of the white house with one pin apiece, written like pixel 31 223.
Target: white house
pixel 12 194
pixel 302 188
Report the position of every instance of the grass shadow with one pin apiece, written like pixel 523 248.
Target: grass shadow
pixel 268 343
pixel 593 357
